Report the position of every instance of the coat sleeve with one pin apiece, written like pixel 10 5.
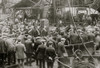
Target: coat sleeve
pixel 6 45
pixel 54 53
pixel 37 50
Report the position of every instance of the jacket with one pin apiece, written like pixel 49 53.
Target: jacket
pixel 50 54
pixel 41 52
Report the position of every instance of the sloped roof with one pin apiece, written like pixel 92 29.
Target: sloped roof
pixel 29 4
pixel 23 3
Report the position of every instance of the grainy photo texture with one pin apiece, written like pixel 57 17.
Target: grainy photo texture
pixel 49 33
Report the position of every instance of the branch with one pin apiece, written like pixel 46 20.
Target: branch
pixel 32 1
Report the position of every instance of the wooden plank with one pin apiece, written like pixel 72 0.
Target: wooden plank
pixel 23 8
pixel 72 6
pixel 12 66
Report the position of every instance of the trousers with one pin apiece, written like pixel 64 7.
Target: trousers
pixel 41 63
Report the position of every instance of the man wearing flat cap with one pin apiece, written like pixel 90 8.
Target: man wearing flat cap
pixel 29 49
pixel 41 53
pixel 50 55
pixel 62 53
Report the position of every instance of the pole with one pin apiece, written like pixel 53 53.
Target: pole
pixel 3 7
pixel 54 7
pixel 79 34
pixel 14 11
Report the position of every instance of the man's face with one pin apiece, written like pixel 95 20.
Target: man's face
pixel 63 41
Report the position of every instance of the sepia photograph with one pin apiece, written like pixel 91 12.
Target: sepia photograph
pixel 49 33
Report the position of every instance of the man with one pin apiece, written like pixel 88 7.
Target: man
pixel 34 32
pixel 62 53
pixel 36 45
pixel 20 53
pixel 97 42
pixel 22 37
pixel 10 50
pixel 43 32
pixel 29 49
pixel 41 54
pixel 3 51
pixel 50 55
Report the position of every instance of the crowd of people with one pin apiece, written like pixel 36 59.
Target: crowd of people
pixel 25 41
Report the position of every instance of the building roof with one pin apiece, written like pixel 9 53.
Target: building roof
pixel 24 3
pixel 28 4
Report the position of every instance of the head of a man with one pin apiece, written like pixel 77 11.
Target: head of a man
pixel 63 40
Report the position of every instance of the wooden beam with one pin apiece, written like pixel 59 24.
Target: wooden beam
pixel 72 6
pixel 23 8
pixel 54 6
pixel 14 11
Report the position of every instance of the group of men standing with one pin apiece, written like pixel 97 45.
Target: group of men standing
pixel 25 48
pixel 42 45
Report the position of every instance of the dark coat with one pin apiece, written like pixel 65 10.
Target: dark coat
pixel 85 37
pixel 91 37
pixel 28 45
pixel 35 32
pixel 43 32
pixel 50 52
pixel 97 42
pixel 10 46
pixel 41 52
pixel 74 38
pixel 36 44
pixel 54 44
pixel 61 49
pixel 3 47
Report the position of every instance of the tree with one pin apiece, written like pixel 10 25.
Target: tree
pixel 51 14
pixel 96 5
pixel 3 6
